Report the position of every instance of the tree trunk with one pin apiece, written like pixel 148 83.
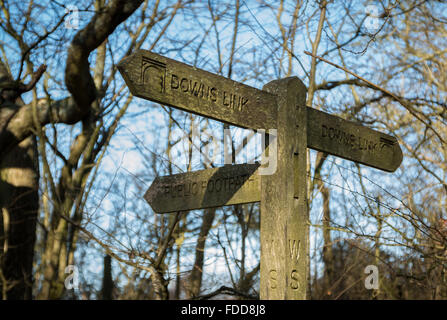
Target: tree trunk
pixel 107 280
pixel 195 279
pixel 328 257
pixel 19 201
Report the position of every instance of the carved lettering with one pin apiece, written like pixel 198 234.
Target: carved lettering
pixel 273 274
pixel 294 284
pixel 221 184
pixel 218 185
pixel 194 188
pixel 197 89
pixel 225 100
pixel 352 141
pixel 232 101
pixel 294 249
pixel 243 103
pixel 184 85
pixel 213 96
pixel 349 139
pixel 153 74
pixel 193 87
pixel 210 186
pixel 174 82
pixel 324 132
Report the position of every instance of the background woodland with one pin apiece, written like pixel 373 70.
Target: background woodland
pixel 78 151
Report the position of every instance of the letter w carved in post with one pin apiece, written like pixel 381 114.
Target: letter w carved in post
pixel 294 249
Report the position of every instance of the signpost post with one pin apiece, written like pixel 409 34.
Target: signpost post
pixel 283 193
pixel 284 214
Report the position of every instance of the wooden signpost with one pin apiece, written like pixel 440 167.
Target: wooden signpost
pixel 208 188
pixel 160 79
pixel 283 194
pixel 352 141
pixel 284 213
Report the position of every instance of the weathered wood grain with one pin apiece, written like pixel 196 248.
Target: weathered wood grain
pixel 160 79
pixel 283 194
pixel 351 141
pixel 228 185
pixel 284 214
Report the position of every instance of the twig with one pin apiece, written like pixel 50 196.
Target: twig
pixel 354 74
pixel 228 291
pixel 374 86
pixel 18 87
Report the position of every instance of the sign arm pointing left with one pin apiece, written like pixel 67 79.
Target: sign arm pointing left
pixel 202 189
